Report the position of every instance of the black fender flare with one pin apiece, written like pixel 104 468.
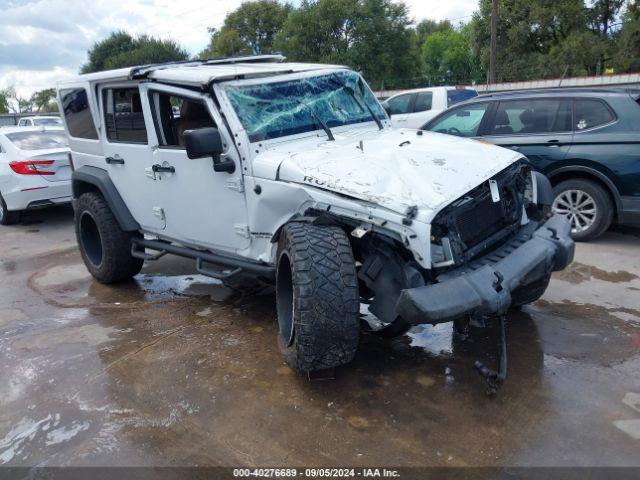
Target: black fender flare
pixel 87 178
pixel 594 173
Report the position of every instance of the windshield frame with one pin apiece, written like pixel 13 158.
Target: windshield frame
pixel 220 89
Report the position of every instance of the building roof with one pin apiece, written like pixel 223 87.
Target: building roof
pixel 201 73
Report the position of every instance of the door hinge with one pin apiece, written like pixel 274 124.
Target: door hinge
pixel 158 212
pixel 242 230
pixel 235 184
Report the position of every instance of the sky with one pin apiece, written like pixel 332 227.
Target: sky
pixel 42 41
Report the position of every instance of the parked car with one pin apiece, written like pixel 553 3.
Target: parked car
pixel 291 173
pixel 411 109
pixel 34 170
pixel 40 121
pixel 587 141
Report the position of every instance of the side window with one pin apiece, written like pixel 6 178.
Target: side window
pixel 22 122
pixel 400 104
pixel 77 114
pixel 592 113
pixel 423 102
pixel 174 115
pixel 519 117
pixel 123 117
pixel 462 121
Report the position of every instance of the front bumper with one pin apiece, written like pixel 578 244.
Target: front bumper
pixel 484 287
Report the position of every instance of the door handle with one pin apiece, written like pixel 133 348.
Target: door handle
pixel 114 160
pixel 553 143
pixel 160 169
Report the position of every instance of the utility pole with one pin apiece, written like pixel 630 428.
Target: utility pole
pixel 494 41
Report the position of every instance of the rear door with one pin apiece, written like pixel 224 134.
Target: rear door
pixel 421 110
pixel 540 129
pixel 128 154
pixel 400 107
pixel 202 207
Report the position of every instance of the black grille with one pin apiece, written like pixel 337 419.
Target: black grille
pixel 486 218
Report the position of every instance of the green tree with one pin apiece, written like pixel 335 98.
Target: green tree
pixel 527 33
pixel 249 29
pixel 448 57
pixel 626 57
pixel 44 100
pixel 373 36
pixel 4 101
pixel 122 50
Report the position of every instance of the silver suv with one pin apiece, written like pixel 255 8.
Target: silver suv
pixel 291 173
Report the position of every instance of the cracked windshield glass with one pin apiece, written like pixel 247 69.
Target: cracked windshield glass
pixel 272 110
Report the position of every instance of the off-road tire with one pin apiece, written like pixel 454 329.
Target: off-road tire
pixel 317 297
pixel 529 293
pixel 105 247
pixel 604 206
pixel 7 217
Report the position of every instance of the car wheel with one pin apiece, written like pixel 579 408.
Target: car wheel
pixel 587 206
pixel 316 297
pixel 7 217
pixel 104 246
pixel 529 293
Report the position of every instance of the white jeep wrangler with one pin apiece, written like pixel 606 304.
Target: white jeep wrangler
pixel 291 173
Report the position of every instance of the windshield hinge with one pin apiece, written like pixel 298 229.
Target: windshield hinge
pixel 235 184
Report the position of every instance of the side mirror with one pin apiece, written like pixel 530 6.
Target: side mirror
pixel 207 142
pixel 387 108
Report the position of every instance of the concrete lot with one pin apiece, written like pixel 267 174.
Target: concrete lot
pixel 174 369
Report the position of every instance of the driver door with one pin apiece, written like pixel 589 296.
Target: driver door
pixel 463 121
pixel 201 207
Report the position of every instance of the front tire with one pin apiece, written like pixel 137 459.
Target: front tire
pixel 105 247
pixel 7 217
pixel 317 297
pixel 587 206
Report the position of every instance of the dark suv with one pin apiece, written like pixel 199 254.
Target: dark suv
pixel 587 141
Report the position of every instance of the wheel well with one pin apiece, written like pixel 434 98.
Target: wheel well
pixel 572 174
pixel 80 188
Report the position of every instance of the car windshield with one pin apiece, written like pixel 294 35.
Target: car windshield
pixel 277 109
pixel 38 140
pixel 460 95
pixel 46 121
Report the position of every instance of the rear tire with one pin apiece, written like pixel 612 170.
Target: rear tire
pixel 570 194
pixel 7 217
pixel 105 247
pixel 317 297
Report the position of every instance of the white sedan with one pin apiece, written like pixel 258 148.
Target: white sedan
pixel 35 170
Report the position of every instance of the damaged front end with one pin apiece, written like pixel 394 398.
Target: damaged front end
pixel 494 240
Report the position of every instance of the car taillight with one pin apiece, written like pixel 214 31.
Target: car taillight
pixel 32 167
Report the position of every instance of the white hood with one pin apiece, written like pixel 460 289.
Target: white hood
pixel 394 168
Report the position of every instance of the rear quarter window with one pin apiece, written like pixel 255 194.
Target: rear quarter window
pixel 591 113
pixel 77 114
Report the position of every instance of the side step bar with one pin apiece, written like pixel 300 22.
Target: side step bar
pixel 236 264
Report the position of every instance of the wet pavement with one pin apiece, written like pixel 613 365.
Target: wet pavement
pixel 175 369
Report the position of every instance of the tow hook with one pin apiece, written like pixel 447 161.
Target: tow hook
pixel 494 379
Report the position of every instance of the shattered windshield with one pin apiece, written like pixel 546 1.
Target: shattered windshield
pixel 278 109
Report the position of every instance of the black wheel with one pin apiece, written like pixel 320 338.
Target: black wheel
pixel 529 293
pixel 105 248
pixel 317 297
pixel 7 217
pixel 586 204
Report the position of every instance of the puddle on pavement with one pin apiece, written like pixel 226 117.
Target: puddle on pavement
pixel 579 272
